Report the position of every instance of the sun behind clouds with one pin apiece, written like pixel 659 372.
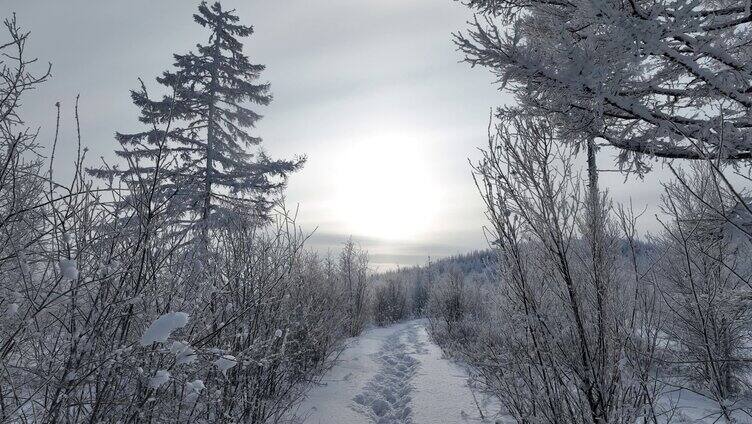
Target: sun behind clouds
pixel 386 188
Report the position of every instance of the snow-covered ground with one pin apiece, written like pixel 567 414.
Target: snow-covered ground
pixel 394 375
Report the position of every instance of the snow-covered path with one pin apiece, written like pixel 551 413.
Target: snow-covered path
pixel 393 375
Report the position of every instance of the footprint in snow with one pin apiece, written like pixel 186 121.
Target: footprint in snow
pixel 386 398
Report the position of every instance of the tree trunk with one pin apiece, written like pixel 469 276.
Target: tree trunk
pixel 592 170
pixel 210 122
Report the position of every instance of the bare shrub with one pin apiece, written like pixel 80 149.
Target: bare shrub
pixel 389 302
pixel 454 308
pixel 567 336
pixel 704 273
pixel 111 312
pixel 353 271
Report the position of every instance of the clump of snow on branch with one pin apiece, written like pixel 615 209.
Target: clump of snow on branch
pixel 68 269
pixel 184 353
pixel 225 362
pixel 161 329
pixel 193 390
pixel 160 377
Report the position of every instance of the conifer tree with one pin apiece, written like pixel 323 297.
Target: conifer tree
pixel 199 131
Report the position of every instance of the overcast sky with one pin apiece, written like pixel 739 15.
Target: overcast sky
pixel 372 91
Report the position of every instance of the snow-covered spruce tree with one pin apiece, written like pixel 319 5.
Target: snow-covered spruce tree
pixel 204 123
pixel 659 78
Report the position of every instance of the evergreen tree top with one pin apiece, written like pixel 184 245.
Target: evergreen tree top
pixel 199 132
pixel 217 76
pixel 215 18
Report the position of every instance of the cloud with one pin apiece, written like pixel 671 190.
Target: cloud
pixel 347 76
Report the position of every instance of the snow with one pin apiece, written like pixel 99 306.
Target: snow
pixel 225 362
pixel 68 269
pixel 184 353
pixel 161 377
pixel 162 327
pixel 193 390
pixel 693 408
pixel 394 375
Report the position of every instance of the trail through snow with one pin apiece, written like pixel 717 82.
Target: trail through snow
pixel 395 375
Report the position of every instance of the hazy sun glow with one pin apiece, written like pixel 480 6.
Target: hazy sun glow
pixel 385 188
